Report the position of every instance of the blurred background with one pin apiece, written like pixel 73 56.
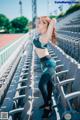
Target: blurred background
pixel 16 16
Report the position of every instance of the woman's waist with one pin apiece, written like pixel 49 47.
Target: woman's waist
pixel 46 57
pixel 47 61
pixel 42 52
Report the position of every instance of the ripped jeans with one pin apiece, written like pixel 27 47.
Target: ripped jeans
pixel 48 66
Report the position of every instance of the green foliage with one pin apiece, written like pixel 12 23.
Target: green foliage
pixel 52 16
pixel 19 24
pixel 72 9
pixel 61 15
pixel 4 22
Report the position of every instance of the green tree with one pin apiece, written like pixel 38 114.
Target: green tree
pixel 61 15
pixel 19 24
pixel 53 16
pixel 4 23
pixel 73 9
pixel 70 10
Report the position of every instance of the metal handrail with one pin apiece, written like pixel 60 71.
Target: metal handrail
pixel 6 52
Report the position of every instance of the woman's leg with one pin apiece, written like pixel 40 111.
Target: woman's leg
pixel 43 86
pixel 50 89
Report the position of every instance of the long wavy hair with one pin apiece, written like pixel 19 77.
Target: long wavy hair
pixel 48 20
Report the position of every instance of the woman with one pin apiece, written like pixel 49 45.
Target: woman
pixel 46 32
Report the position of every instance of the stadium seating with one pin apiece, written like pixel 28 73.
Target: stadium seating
pixel 68 35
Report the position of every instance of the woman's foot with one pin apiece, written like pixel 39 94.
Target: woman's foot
pixel 47 112
pixel 42 106
pixel 49 104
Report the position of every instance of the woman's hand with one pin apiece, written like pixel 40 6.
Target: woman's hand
pixel 50 34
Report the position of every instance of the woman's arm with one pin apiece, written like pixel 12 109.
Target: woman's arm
pixel 50 28
pixel 45 38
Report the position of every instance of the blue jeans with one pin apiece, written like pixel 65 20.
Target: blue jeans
pixel 45 84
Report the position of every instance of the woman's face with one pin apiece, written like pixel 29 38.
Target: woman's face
pixel 41 26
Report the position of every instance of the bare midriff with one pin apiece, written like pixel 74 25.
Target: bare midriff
pixel 41 52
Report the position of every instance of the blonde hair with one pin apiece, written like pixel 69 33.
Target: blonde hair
pixel 53 36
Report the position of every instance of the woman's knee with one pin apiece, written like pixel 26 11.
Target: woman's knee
pixel 43 80
pixel 39 85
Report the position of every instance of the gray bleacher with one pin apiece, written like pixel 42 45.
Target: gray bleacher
pixel 27 97
pixel 68 34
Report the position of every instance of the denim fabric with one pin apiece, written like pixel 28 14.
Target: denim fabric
pixel 48 66
pixel 45 83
